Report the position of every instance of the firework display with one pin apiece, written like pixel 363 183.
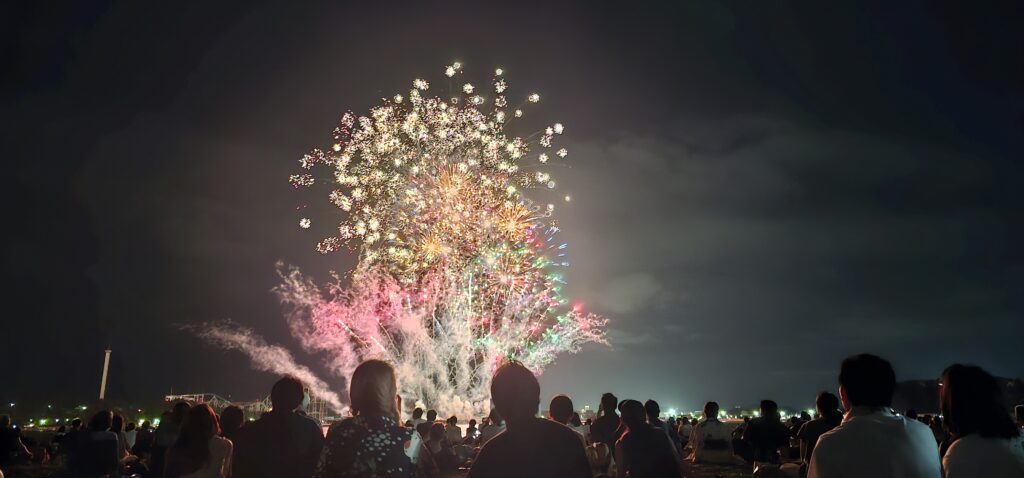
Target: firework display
pixel 458 269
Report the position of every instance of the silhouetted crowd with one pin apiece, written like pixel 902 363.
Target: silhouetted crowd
pixel 854 434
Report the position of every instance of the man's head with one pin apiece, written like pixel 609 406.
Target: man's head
pixel 76 424
pixel 560 409
pixel 286 395
pixel 515 392
pixel 633 414
pixel 866 380
pixel 769 409
pixel 431 415
pixel 826 403
pixel 652 409
pixel 711 410
pixel 608 403
pixel 417 413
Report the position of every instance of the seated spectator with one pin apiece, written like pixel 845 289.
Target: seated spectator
pixel 371 442
pixel 711 439
pixel 199 452
pixel 12 449
pixel 577 425
pixel 606 428
pixel 96 452
pixel 987 443
pixel 438 450
pixel 232 418
pixel 872 440
pixel 417 417
pixel 117 427
pixel 494 426
pixel 561 410
pixel 530 446
pixel 644 451
pixel 130 433
pixel 165 436
pixel 424 427
pixel 282 443
pixel 767 434
pixel 452 432
pixel 471 433
pixel 829 417
pixel 143 440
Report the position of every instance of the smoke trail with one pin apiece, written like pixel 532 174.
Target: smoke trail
pixel 265 357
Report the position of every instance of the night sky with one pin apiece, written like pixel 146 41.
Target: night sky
pixel 759 188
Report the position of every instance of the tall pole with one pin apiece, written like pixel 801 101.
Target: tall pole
pixel 103 381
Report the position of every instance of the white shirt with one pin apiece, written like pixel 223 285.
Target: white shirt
pixel 219 465
pixel 876 443
pixel 711 430
pixel 491 431
pixel 975 455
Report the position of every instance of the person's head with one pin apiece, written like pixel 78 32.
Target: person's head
pixel 436 432
pixel 191 450
pixel 60 429
pixel 575 420
pixel 453 420
pixel 431 415
pixel 373 390
pixel 231 419
pixel 769 409
pixel 633 414
pixel 866 380
pixel 117 423
pixel 936 422
pixel 472 422
pixel 145 425
pixel 804 416
pixel 1018 414
pixel 652 409
pixel 129 427
pixel 5 421
pixel 711 410
pixel 827 404
pixel 286 395
pixel 972 402
pixel 910 413
pixel 101 421
pixel 178 412
pixel 608 403
pixel 560 409
pixel 515 392
pixel 76 424
pixel 417 413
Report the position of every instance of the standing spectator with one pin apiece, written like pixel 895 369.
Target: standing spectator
pixel 231 420
pixel 530 446
pixel 767 434
pixel 282 443
pixel 607 429
pixel 371 443
pixel 199 452
pixel 711 439
pixel 644 451
pixel 577 425
pixel 829 417
pixel 561 410
pixel 987 443
pixel 872 440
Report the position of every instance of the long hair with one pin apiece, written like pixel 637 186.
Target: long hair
pixel 373 388
pixel 191 451
pixel 971 402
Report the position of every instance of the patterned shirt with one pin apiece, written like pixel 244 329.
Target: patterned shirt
pixel 367 446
